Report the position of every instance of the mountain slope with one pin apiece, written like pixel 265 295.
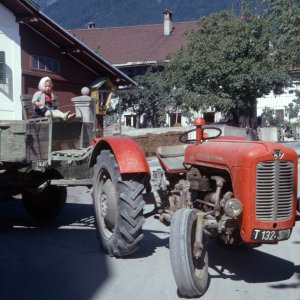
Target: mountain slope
pixel 113 13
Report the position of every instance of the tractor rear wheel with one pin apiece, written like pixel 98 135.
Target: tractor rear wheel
pixel 190 273
pixel 118 206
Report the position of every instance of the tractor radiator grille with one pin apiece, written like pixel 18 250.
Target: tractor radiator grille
pixel 274 190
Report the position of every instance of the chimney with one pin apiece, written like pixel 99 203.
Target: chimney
pixel 91 25
pixel 167 22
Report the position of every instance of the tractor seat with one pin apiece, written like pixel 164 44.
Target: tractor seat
pixel 172 157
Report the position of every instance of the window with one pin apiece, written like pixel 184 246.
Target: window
pixel 130 121
pixel 279 113
pixel 209 117
pixel 2 68
pixel 45 63
pixel 175 119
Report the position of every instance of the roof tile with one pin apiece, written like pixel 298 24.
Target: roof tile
pixel 135 44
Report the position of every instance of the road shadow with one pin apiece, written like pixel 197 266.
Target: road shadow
pixel 150 242
pixel 59 260
pixel 290 285
pixel 13 215
pixel 248 264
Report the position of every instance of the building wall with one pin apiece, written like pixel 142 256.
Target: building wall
pixel 70 78
pixel 10 106
pixel 217 116
pixel 19 42
pixel 277 102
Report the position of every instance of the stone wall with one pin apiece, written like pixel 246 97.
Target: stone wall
pixel 150 142
pixel 149 139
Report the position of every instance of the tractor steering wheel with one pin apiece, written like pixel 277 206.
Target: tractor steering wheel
pixel 192 141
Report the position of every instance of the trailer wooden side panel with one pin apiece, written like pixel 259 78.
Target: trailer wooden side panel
pixel 37 141
pixel 13 141
pixel 33 140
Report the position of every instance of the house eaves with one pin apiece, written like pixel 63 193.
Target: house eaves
pixel 136 63
pixel 29 14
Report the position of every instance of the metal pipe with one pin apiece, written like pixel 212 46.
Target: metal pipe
pixel 120 114
pixel 198 245
pixel 157 198
pixel 198 122
pixel 219 181
pixel 206 203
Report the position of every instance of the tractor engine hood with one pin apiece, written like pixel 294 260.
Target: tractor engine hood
pixel 226 154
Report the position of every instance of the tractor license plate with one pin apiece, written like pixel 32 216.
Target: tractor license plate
pixel 270 235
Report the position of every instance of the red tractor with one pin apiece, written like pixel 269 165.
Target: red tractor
pixel 238 191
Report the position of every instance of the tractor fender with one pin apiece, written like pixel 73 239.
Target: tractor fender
pixel 128 154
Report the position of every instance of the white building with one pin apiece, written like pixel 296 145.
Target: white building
pixel 10 66
pixel 278 102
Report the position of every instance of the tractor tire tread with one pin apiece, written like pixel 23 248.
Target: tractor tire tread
pixel 130 204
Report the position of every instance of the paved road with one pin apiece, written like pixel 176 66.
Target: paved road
pixel 63 260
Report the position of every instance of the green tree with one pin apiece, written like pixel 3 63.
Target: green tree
pixel 150 99
pixel 269 118
pixel 284 20
pixel 293 108
pixel 227 64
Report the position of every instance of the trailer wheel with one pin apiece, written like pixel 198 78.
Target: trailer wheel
pixel 190 273
pixel 47 204
pixel 118 206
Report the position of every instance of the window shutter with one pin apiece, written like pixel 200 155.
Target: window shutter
pixel 2 68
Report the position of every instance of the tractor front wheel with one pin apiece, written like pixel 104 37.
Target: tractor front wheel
pixel 118 206
pixel 190 272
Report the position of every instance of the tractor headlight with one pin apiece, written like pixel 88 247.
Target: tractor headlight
pixel 233 207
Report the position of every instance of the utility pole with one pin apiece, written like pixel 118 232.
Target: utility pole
pixel 243 7
pixel 239 7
